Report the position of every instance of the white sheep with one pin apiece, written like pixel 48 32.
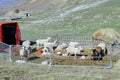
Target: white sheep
pixel 46 51
pixel 50 43
pixel 61 47
pixel 26 44
pixel 72 50
pixel 23 53
pixel 40 42
pixel 73 44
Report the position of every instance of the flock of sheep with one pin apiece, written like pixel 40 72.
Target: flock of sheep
pixel 73 48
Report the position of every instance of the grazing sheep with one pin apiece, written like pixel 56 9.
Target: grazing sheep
pixel 40 42
pixel 23 53
pixel 73 51
pixel 99 52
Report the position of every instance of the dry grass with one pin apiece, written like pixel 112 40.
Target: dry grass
pixel 15 71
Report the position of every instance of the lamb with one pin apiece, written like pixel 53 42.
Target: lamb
pixel 40 42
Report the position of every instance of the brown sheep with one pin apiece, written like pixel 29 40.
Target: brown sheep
pixel 99 53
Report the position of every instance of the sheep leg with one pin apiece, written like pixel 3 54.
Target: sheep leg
pixel 75 56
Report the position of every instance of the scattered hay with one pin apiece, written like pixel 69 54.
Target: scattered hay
pixel 63 60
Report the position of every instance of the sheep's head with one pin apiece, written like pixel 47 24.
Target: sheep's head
pixel 98 50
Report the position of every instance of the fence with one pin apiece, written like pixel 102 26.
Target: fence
pixel 85 41
pixel 5 51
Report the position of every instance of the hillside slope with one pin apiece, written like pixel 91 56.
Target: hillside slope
pixel 68 16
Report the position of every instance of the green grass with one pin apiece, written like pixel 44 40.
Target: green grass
pixel 14 71
pixel 84 21
pixel 80 22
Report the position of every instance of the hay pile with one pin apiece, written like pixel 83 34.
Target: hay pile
pixel 108 35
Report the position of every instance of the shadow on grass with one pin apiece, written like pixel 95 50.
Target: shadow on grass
pixel 33 58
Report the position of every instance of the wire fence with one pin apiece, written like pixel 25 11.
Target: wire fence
pixel 5 51
pixel 12 52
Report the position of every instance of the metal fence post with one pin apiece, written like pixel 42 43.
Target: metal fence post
pixel 10 53
pixel 111 64
pixel 57 37
pixel 50 47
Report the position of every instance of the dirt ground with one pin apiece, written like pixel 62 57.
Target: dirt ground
pixel 63 60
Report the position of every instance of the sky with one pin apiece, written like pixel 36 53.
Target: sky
pixel 5 3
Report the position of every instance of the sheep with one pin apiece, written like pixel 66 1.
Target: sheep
pixel 73 44
pixel 27 41
pixel 73 51
pixel 99 52
pixel 45 51
pixel 23 53
pixel 61 47
pixel 26 44
pixel 51 44
pixel 40 42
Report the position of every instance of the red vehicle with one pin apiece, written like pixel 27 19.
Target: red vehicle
pixel 10 33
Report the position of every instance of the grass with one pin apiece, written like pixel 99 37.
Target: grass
pixel 84 21
pixel 14 71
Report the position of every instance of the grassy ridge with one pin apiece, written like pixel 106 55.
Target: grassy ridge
pixel 86 21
